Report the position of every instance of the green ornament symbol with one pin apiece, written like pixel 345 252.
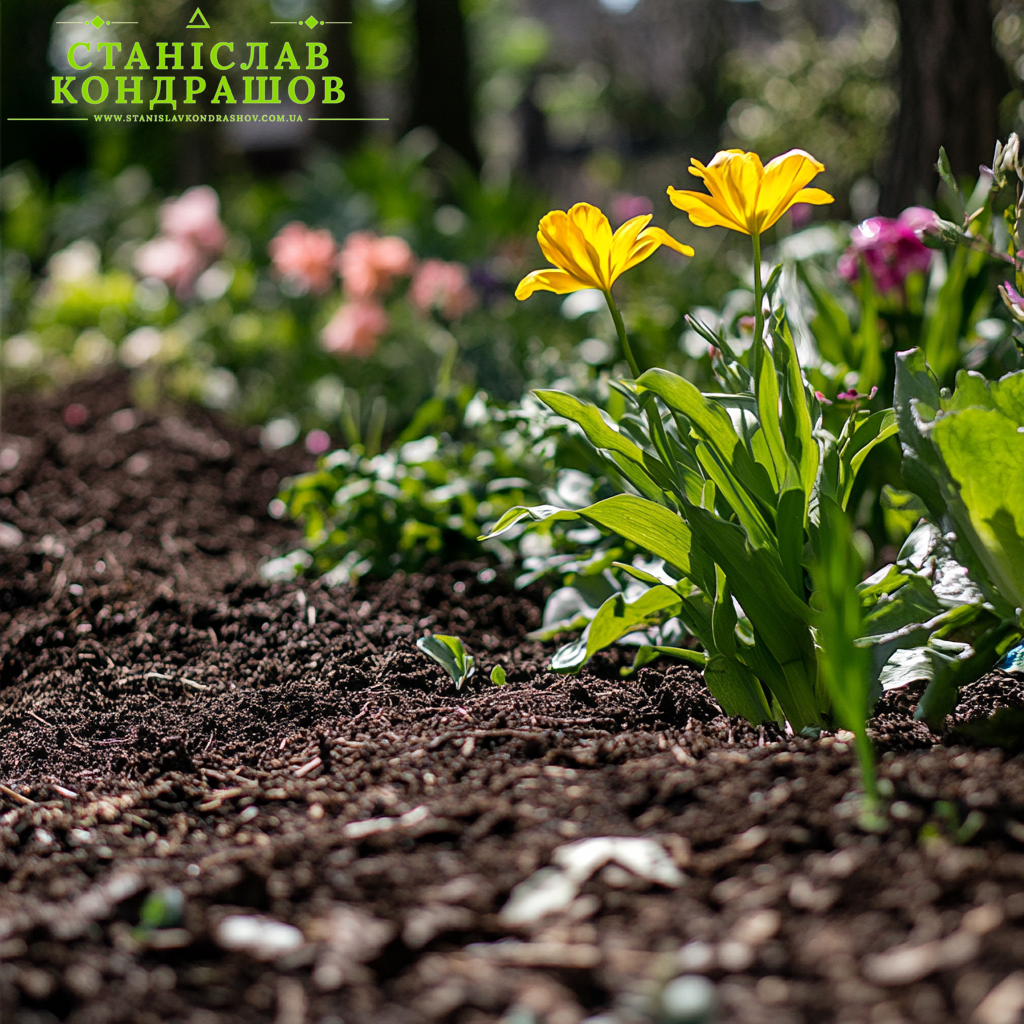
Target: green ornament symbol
pixel 96 22
pixel 310 21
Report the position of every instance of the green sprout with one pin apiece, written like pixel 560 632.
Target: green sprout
pixel 450 654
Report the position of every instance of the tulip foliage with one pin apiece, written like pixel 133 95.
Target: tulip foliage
pixel 730 495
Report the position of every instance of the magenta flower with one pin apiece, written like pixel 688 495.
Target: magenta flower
pixel 444 287
pixel 853 395
pixel 304 258
pixel 355 329
pixel 891 249
pixel 368 263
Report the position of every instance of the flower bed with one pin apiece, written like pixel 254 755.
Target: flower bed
pixel 227 800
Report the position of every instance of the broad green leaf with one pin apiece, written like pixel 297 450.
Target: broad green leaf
pixel 646 653
pixel 739 500
pixel 450 654
pixel 736 689
pixel 713 425
pixel 789 523
pixel 875 429
pixel 498 675
pixel 723 617
pixel 588 417
pixel 779 617
pixel 614 619
pixel 650 526
pixel 983 452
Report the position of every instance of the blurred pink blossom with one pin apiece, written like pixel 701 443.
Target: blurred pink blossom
pixel 191 238
pixel 175 261
pixel 355 329
pixel 304 257
pixel 891 249
pixel 444 287
pixel 317 442
pixel 195 215
pixel 801 214
pixel 368 263
pixel 625 207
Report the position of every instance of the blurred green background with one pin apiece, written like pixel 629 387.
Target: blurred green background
pixel 481 115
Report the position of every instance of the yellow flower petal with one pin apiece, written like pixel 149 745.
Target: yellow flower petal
pixel 585 252
pixel 557 281
pixel 746 196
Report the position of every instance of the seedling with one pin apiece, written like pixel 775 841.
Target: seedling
pixel 498 675
pixel 450 654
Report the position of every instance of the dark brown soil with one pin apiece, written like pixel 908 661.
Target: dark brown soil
pixel 185 745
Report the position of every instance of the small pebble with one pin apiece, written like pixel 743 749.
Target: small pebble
pixel 689 999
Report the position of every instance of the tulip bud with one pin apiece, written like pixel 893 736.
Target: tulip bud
pixel 1006 158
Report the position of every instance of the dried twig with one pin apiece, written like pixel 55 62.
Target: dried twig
pixel 17 797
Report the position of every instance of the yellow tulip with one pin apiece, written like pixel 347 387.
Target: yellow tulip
pixel 747 197
pixel 586 254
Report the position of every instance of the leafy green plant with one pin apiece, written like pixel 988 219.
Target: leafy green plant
pixel 726 492
pixel 451 655
pixel 950 608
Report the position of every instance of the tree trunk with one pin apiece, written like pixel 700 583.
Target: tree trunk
pixel 441 97
pixel 343 134
pixel 951 82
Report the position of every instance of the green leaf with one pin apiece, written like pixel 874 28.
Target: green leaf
pixel 712 424
pixel 498 675
pixel 779 617
pixel 875 429
pixel 614 619
pixel 650 526
pixel 740 501
pixel 450 654
pixel 723 617
pixel 789 523
pixel 801 448
pixel 768 414
pixel 646 653
pixel 983 452
pixel 736 689
pixel 588 417
pixel 946 174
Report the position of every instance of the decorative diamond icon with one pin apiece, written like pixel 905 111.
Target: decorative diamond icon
pixel 310 21
pixel 97 21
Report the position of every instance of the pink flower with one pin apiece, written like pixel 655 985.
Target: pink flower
pixel 368 263
pixel 195 215
pixel 801 214
pixel 625 207
pixel 444 287
pixel 891 249
pixel 1013 300
pixel 175 261
pixel 853 395
pixel 355 329
pixel 303 257
pixel 192 237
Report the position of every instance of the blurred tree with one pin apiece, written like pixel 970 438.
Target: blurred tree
pixel 951 82
pixel 441 92
pixel 343 134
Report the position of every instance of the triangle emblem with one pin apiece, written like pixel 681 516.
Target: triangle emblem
pixel 198 20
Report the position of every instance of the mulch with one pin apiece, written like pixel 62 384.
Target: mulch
pixel 225 800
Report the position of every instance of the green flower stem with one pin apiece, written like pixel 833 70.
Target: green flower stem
pixel 620 329
pixel 648 402
pixel 866 755
pixel 755 238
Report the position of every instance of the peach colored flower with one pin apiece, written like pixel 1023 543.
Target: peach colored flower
pixel 444 287
pixel 368 263
pixel 355 329
pixel 195 215
pixel 304 257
